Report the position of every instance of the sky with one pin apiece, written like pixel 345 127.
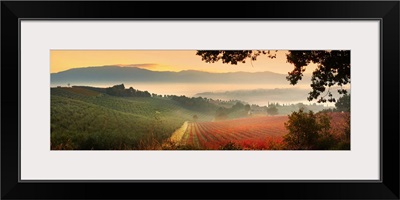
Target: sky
pixel 163 60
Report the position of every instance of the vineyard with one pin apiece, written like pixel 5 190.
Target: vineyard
pixel 256 133
pixel 84 119
pixel 250 133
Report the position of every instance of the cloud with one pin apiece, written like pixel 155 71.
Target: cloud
pixel 151 67
pixel 143 66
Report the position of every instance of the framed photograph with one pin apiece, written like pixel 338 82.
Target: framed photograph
pixel 301 98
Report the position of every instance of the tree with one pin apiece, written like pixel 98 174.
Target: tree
pixel 302 106
pixel 247 108
pixel 305 130
pixel 221 114
pixel 272 110
pixel 333 67
pixel 195 117
pixel 230 146
pixel 343 103
pixel 238 106
pixel 345 142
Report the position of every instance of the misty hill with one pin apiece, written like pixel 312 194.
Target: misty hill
pixel 263 96
pixel 107 74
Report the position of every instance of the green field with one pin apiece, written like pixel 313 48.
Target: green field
pixel 85 119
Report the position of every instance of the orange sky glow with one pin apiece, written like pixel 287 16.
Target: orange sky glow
pixel 163 60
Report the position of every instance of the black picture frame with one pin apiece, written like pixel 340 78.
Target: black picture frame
pixel 13 11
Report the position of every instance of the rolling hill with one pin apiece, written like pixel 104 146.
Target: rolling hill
pixel 85 119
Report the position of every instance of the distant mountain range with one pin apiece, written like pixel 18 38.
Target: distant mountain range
pixel 105 74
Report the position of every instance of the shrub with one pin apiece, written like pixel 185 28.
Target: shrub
pixel 306 130
pixel 230 146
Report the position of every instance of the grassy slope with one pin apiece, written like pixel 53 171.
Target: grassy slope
pixel 86 120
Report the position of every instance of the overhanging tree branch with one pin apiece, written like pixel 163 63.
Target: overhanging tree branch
pixel 333 66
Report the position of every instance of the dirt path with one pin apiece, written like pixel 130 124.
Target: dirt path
pixel 178 134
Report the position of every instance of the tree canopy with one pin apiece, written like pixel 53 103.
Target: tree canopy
pixel 333 67
pixel 272 110
pixel 343 103
pixel 306 130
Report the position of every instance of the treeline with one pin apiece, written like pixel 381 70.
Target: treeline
pixel 204 105
pixel 286 109
pixel 194 103
pixel 221 109
pixel 236 111
pixel 119 90
pixel 200 100
pixel 341 105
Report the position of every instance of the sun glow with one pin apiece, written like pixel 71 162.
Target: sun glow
pixel 162 60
